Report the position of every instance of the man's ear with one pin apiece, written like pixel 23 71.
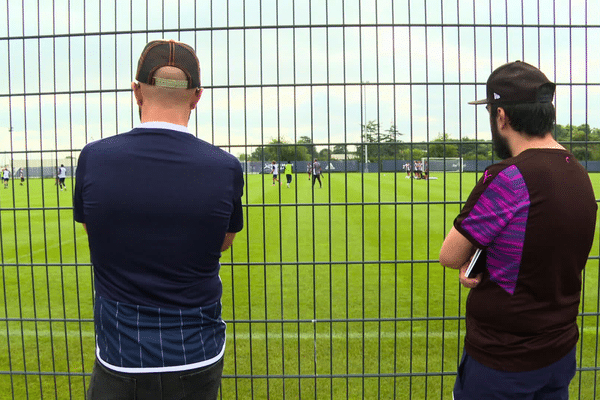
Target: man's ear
pixel 137 92
pixel 501 118
pixel 196 98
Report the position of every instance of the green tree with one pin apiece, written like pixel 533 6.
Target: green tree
pixel 393 134
pixel 582 153
pixel 471 149
pixel 443 149
pixel 594 148
pixel 562 133
pixel 307 143
pixel 339 149
pixel 324 154
pixel 412 152
pixel 576 138
pixel 368 135
pixel 279 150
pixel 380 145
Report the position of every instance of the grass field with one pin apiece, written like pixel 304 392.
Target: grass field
pixel 331 293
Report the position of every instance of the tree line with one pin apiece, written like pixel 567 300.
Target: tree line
pixel 386 144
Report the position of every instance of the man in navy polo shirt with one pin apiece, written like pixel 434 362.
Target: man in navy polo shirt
pixel 155 249
pixel 534 213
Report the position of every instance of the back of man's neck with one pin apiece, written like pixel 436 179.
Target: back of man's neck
pixel 525 143
pixel 169 116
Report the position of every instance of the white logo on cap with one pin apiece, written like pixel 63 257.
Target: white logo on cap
pixel 496 96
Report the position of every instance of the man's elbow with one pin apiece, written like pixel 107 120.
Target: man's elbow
pixel 456 250
pixel 448 261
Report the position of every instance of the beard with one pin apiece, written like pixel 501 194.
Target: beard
pixel 500 144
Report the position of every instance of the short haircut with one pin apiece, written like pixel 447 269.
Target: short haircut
pixel 532 119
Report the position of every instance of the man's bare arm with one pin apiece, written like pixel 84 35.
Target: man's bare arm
pixel 456 250
pixel 456 253
pixel 229 236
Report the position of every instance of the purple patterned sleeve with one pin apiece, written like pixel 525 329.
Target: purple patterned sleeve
pixel 497 220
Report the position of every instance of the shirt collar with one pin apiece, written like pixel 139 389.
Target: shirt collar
pixel 163 125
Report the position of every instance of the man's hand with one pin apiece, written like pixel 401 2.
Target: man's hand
pixel 466 281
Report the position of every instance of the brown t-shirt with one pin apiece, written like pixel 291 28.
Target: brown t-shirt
pixel 535 214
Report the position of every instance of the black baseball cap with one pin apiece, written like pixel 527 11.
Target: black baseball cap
pixel 162 53
pixel 517 82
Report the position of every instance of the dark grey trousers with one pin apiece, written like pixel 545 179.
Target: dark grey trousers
pixel 197 384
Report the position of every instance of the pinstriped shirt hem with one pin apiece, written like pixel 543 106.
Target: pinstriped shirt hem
pixel 174 368
pixel 137 339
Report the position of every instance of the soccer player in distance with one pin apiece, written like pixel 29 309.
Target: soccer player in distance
pixel 316 172
pixel 535 214
pixel 62 175
pixel 21 175
pixel 275 172
pixel 288 173
pixel 5 176
pixel 155 252
pixel 407 169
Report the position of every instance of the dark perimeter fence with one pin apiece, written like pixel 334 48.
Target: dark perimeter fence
pixel 331 292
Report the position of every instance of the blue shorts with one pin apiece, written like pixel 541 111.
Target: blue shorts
pixel 476 381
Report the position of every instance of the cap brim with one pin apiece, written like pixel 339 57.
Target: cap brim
pixel 483 101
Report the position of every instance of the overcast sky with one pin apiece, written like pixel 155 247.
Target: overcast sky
pixel 288 68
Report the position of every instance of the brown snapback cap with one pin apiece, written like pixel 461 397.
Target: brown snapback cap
pixel 162 53
pixel 517 82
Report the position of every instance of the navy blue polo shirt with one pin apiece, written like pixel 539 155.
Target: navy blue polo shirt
pixel 157 203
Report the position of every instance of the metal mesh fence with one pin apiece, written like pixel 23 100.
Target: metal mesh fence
pixel 333 290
